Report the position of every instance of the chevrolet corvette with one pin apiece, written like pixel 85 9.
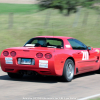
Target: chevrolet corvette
pixel 50 55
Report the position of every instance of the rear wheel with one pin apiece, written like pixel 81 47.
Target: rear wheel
pixel 15 75
pixel 68 71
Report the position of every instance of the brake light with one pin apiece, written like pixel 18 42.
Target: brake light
pixel 48 56
pixel 39 55
pixel 13 53
pixel 5 53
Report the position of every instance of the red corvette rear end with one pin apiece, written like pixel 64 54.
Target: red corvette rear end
pixel 37 59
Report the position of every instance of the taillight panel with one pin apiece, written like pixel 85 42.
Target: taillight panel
pixel 5 53
pixel 13 53
pixel 48 56
pixel 39 55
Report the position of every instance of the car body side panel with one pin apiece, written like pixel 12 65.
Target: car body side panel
pixel 97 50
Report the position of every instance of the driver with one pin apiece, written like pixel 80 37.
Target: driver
pixel 42 42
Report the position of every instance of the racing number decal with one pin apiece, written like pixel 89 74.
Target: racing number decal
pixel 85 55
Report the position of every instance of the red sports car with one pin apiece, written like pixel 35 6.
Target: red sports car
pixel 50 55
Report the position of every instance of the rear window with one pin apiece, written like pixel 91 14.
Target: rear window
pixel 45 42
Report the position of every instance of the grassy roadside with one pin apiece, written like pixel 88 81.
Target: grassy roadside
pixel 96 98
pixel 17 8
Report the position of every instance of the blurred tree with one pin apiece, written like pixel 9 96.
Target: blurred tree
pixel 87 3
pixel 44 4
pixel 68 5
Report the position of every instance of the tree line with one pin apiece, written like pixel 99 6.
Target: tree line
pixel 66 6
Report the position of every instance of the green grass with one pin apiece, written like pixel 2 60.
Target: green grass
pixel 17 8
pixel 26 26
pixel 96 98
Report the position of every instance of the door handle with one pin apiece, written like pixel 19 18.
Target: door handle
pixel 79 52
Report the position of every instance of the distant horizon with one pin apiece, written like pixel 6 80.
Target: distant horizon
pixel 19 1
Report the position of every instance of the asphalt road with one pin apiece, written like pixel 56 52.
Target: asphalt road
pixel 48 88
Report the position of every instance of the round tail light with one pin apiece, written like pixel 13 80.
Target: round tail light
pixel 13 53
pixel 5 53
pixel 48 56
pixel 39 55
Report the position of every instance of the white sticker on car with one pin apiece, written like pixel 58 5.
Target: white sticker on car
pixel 8 60
pixel 67 46
pixel 85 55
pixel 43 63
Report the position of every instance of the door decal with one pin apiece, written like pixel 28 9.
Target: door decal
pixel 85 55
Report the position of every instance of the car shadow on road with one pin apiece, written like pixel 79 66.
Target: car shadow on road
pixel 45 79
pixel 86 74
pixel 40 79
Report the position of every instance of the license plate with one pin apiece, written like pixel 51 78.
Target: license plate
pixel 26 61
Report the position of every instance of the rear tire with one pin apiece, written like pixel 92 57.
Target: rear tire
pixel 15 75
pixel 68 71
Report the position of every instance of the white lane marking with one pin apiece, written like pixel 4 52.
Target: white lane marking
pixel 93 96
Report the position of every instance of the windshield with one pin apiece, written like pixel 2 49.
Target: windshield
pixel 45 42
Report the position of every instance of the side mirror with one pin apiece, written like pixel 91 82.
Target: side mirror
pixel 89 48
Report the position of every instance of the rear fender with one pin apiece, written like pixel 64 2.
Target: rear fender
pixel 59 64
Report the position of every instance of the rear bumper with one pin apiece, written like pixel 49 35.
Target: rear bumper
pixel 15 67
pixel 40 71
